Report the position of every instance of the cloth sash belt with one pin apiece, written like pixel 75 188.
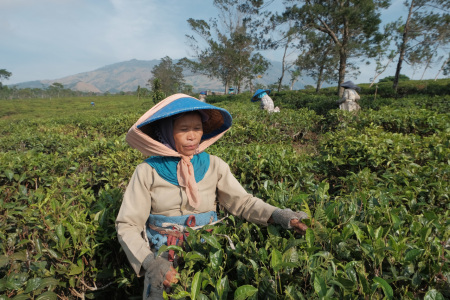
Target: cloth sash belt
pixel 163 230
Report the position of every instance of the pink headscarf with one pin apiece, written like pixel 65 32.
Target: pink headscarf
pixel 150 147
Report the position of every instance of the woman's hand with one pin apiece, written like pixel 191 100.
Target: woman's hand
pixel 289 219
pixel 298 226
pixel 170 278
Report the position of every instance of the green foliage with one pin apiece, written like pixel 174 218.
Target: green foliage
pixel 157 94
pixel 4 74
pixel 375 185
pixel 440 87
pixel 390 79
pixel 228 51
pixel 167 79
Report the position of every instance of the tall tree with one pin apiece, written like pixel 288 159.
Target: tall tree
pixel 319 64
pixel 385 54
pixel 288 36
pixel 55 88
pixel 4 74
pixel 222 47
pixel 352 25
pixel 295 74
pixel 157 93
pixel 170 76
pixel 445 67
pixel 426 29
pixel 272 31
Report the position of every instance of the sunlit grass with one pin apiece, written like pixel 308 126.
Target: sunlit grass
pixel 12 110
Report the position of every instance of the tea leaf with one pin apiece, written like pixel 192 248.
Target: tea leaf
pixel 329 293
pixel 180 295
pixel 387 289
pixel 211 240
pixel 359 233
pixel 202 297
pixel 433 295
pixel 216 259
pixel 4 260
pixel 47 296
pixel 75 269
pixel 291 255
pixel 194 256
pixel 244 292
pixel 38 245
pixel 273 230
pixel 267 288
pixel 319 286
pixel 412 254
pixel 32 284
pixel 222 288
pixel 346 283
pixel 195 287
pixel 19 256
pixel 276 260
pixel 262 252
pixel 49 282
pixel 9 174
pixel 364 283
pixel 19 297
pixel 310 237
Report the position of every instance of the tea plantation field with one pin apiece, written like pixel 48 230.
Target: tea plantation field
pixel 375 185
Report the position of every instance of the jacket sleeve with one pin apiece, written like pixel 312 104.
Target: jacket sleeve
pixel 344 97
pixel 133 214
pixel 235 199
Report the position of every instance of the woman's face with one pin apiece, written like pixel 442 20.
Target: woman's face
pixel 187 133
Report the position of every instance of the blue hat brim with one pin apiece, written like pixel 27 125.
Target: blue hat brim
pixel 219 118
pixel 259 91
pixel 349 85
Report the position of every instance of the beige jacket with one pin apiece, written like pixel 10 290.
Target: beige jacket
pixel 348 100
pixel 148 192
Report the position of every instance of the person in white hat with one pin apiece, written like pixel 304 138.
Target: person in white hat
pixel 180 185
pixel 349 97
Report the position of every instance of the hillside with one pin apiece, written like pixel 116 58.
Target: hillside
pixel 126 76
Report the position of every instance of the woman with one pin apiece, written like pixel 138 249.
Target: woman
pixel 266 101
pixel 180 184
pixel 349 97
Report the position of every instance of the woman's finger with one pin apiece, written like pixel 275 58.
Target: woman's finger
pixel 299 226
pixel 170 278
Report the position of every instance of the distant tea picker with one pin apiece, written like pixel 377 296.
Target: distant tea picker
pixel 266 101
pixel 350 96
pixel 202 96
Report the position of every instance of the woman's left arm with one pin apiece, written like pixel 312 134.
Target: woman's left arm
pixel 235 199
pixel 238 202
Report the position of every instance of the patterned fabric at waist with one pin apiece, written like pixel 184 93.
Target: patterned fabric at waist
pixel 163 230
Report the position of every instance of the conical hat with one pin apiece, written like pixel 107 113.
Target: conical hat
pixel 217 121
pixel 259 91
pixel 350 85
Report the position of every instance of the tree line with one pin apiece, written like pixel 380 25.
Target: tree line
pixel 325 40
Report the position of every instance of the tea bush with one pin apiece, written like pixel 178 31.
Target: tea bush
pixel 439 87
pixel 375 185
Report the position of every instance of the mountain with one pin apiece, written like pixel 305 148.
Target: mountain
pixel 126 76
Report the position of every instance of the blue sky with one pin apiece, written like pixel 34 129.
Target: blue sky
pixel 50 39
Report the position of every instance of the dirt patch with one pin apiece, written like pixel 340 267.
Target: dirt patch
pixel 308 144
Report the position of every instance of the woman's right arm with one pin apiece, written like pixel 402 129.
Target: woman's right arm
pixel 344 97
pixel 133 214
